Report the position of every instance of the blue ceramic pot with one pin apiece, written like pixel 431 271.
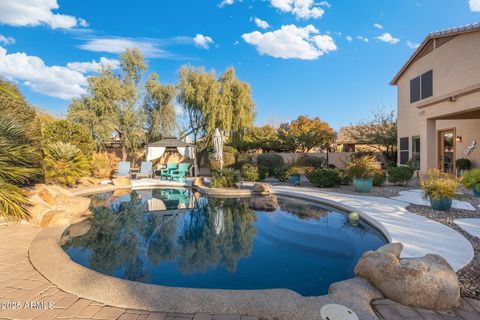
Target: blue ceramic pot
pixel 476 190
pixel 443 204
pixel 363 185
pixel 295 178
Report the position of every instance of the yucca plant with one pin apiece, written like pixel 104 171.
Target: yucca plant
pixel 64 164
pixel 18 165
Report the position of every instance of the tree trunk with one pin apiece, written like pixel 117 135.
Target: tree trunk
pixel 124 153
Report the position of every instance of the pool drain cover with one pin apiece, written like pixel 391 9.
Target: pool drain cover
pixel 337 312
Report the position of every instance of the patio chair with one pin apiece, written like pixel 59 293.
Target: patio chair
pixel 165 173
pixel 123 169
pixel 181 173
pixel 146 170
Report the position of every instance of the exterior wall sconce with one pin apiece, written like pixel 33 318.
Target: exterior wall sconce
pixel 458 139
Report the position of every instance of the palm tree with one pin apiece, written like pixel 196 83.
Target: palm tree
pixel 64 163
pixel 18 165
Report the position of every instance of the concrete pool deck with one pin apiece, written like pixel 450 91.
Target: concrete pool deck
pixel 419 235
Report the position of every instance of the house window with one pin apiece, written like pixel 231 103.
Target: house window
pixel 404 153
pixel 416 152
pixel 421 87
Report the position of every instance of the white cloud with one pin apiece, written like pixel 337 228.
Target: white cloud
pixel 55 81
pixel 291 41
pixel 325 4
pixel 94 66
pixel 227 3
pixel 378 26
pixel 261 23
pixel 202 41
pixel 388 38
pixel 6 40
pixel 302 9
pixel 118 45
pixel 349 38
pixel 474 5
pixel 36 12
pixel 362 38
pixel 412 45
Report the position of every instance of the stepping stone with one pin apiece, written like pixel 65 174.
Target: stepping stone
pixel 472 226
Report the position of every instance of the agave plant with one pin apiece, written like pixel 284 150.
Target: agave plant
pixel 64 164
pixel 18 165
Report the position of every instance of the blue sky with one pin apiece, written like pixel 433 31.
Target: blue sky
pixel 300 56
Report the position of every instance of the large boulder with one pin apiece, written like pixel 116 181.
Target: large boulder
pixel 260 188
pixel 263 203
pixel 428 282
pixel 122 182
pixel 88 182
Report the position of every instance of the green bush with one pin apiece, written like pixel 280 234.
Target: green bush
pixel 64 164
pixel 324 178
pixel 224 178
pixel 312 161
pixel 463 164
pixel 471 179
pixel 362 167
pixel 250 172
pixel 270 161
pixel 439 185
pixel 263 172
pixel 281 173
pixel 379 178
pixel 241 159
pixel 68 132
pixel 400 175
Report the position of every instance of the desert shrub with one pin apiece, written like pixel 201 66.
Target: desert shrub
pixel 224 178
pixel 471 179
pixel 68 132
pixel 362 167
pixel 103 164
pixel 270 161
pixel 64 164
pixel 362 154
pixel 439 185
pixel 312 161
pixel 281 173
pixel 400 175
pixel 345 178
pixel 19 164
pixel 229 155
pixel 379 178
pixel 250 172
pixel 324 178
pixel 463 164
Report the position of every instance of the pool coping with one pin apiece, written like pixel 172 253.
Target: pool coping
pixel 47 256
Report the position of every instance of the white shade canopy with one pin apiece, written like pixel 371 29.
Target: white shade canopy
pixel 218 146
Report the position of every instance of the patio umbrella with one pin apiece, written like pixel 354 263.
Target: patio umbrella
pixel 218 147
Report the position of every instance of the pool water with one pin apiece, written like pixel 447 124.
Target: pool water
pixel 173 237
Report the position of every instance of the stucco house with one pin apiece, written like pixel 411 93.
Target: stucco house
pixel 439 100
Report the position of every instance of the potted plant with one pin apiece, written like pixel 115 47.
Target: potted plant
pixel 471 180
pixel 362 170
pixel 462 165
pixel 439 188
pixel 294 173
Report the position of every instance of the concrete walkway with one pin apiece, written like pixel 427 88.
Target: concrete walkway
pixel 416 197
pixel 419 235
pixel 21 285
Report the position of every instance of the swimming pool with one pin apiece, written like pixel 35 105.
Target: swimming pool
pixel 173 237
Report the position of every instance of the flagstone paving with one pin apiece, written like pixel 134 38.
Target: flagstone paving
pixel 23 289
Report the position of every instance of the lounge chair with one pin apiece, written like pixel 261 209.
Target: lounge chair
pixel 146 170
pixel 166 172
pixel 123 169
pixel 181 173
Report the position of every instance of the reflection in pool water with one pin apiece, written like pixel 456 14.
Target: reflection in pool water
pixel 169 237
